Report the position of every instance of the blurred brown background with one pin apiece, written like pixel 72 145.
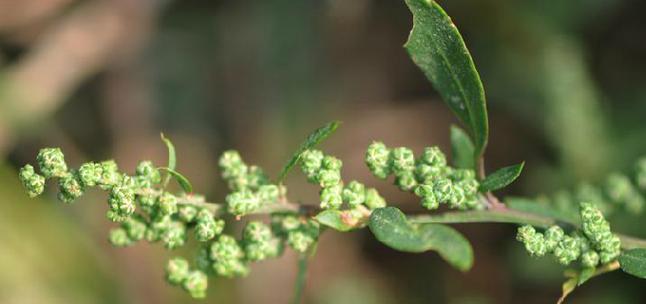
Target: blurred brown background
pixel 565 86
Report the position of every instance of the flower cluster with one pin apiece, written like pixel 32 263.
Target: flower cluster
pixel 325 170
pixel 300 233
pixel 250 186
pixel 428 176
pixel 594 244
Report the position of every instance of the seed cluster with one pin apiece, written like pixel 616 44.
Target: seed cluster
pixel 594 244
pixel 428 176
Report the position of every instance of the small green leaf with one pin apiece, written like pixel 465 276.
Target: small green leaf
pixel 437 48
pixel 501 178
pixel 577 278
pixel 634 262
pixel 339 220
pixel 311 141
pixel 568 286
pixel 585 275
pixel 172 160
pixel 181 179
pixel 390 226
pixel 462 149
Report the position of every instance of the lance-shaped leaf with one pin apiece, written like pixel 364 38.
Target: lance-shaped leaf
pixel 341 220
pixel 390 226
pixel 501 178
pixel 462 149
pixel 181 179
pixel 311 141
pixel 436 47
pixel 172 159
pixel 634 262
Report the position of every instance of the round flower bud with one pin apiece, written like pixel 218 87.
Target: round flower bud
pixel 426 174
pixel 225 248
pixel 282 223
pixel 443 189
pixel 33 182
pixel 110 175
pixel 119 238
pixel 242 202
pixel 377 159
pixel 405 180
pixel 256 251
pixel 354 193
pixel 135 227
pixel 234 170
pixel 331 197
pixel 158 227
pixel 590 259
pixel 594 225
pixel 567 250
pixel 463 174
pixel 534 241
pixel 423 190
pixel 187 213
pixel 256 177
pixel 230 268
pixel 374 200
pixel 430 202
pixel 230 159
pixel 177 270
pixel 203 214
pixel 147 200
pixel 331 163
pixel 196 284
pixel 208 229
pixel 470 187
pixel 90 174
pixel 458 199
pixel 70 187
pixel 610 249
pixel 299 241
pixel 174 235
pixel 256 232
pixel 553 236
pixel 433 156
pixel 52 162
pixel 122 200
pixel 167 203
pixel 147 174
pixel 268 193
pixel 311 162
pixel 328 178
pixel 402 159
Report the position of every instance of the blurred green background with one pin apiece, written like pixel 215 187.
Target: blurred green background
pixel 566 89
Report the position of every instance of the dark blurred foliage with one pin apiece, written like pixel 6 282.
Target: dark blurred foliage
pixel 101 79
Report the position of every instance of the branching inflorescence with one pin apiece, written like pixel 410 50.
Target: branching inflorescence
pixel 576 229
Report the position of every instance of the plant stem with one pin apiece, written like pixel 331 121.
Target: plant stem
pixel 513 217
pixel 299 285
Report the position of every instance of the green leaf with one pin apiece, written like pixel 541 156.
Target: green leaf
pixel 390 226
pixel 172 160
pixel 181 179
pixel 339 220
pixel 437 48
pixel 501 178
pixel 634 262
pixel 311 141
pixel 462 149
pixel 577 278
pixel 536 207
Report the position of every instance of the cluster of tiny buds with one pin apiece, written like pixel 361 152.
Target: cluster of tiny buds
pixel 250 186
pixel 429 176
pixel 325 170
pixel 594 244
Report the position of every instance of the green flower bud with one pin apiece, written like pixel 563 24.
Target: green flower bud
pixel 230 268
pixel 196 284
pixel 610 249
pixel 331 163
pixel 110 175
pixel 119 238
pixel 426 174
pixel 402 159
pixel 234 170
pixel 52 162
pixel 227 257
pixel 430 202
pixel 174 235
pixel 423 190
pixel 470 188
pixel 354 193
pixel 167 204
pixel 405 180
pixel 462 174
pixel 242 202
pixel 207 230
pixel 328 178
pixel 594 225
pixel 300 241
pixel 147 174
pixel 187 213
pixel 147 200
pixel 553 236
pixel 90 174
pixel 203 214
pixel 268 193
pixel 70 187
pixel 311 162
pixel 567 250
pixel 590 259
pixel 177 270
pixel 331 197
pixel 122 200
pixel 135 227
pixel 443 189
pixel 377 159
pixel 534 242
pixel 374 200
pixel 33 182
pixel 256 177
pixel 256 232
pixel 433 156
pixel 158 227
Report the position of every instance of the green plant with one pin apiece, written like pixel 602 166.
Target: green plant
pixel 573 226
